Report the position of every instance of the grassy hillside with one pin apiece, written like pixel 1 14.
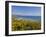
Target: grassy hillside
pixel 20 25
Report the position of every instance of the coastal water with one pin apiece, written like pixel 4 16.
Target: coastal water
pixel 30 17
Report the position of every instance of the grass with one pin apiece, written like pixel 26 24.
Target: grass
pixel 21 25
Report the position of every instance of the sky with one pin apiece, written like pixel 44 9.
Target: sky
pixel 26 10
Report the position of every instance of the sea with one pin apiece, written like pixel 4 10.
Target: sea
pixel 29 17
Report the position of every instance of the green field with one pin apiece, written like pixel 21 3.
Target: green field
pixel 22 25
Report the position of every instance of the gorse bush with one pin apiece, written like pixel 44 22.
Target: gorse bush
pixel 20 25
